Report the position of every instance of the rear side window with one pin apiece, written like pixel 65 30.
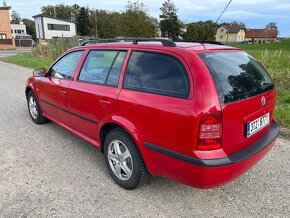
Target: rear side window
pixel 236 75
pixel 102 67
pixel 156 73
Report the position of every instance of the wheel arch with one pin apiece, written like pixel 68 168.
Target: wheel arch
pixel 117 122
pixel 27 90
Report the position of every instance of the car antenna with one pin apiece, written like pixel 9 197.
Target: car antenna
pixel 210 29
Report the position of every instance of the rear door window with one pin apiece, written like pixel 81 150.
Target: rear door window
pixel 236 75
pixel 156 73
pixel 102 67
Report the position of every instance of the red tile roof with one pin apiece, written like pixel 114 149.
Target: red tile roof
pixel 261 33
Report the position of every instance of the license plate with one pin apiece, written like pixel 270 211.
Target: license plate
pixel 258 124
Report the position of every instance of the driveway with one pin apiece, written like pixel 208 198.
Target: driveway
pixel 46 171
pixel 6 53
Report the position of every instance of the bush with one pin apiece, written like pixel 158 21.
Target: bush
pixel 54 48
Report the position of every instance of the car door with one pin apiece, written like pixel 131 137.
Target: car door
pixel 94 93
pixel 53 87
pixel 156 97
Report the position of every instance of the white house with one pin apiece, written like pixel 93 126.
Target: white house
pixel 18 29
pixel 50 28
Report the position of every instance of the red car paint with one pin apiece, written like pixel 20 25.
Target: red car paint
pixel 166 129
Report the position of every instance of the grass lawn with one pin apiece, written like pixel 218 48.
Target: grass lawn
pixel 26 60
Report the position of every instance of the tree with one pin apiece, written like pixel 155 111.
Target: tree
pixel 156 26
pixel 75 11
pixel 61 11
pixel 48 10
pixel 201 31
pixel 15 17
pixel 210 28
pixel 64 12
pixel 169 24
pixel 191 32
pixel 241 24
pixel 136 22
pixel 93 23
pixel 272 25
pixel 108 24
pixel 30 27
pixel 83 22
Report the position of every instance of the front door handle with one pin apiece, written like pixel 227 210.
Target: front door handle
pixel 62 92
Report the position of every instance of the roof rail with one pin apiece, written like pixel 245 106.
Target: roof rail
pixel 201 41
pixel 165 42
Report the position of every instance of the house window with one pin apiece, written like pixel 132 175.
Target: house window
pixel 60 27
pixel 221 37
pixel 3 36
pixel 18 31
pixel 11 31
pixel 222 30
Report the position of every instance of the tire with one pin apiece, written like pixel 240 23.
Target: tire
pixel 119 164
pixel 34 109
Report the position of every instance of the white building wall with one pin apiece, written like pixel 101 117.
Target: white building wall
pixel 49 34
pixel 18 29
pixel 38 27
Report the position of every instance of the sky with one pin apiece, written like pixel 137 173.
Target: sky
pixel 254 13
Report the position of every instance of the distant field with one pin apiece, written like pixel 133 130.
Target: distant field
pixel 276 58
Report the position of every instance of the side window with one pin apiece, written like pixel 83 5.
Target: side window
pixel 63 69
pixel 156 73
pixel 102 67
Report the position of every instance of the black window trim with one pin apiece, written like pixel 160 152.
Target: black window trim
pixel 49 69
pixel 50 27
pixel 103 84
pixel 160 94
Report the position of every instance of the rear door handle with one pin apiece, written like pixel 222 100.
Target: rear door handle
pixel 104 103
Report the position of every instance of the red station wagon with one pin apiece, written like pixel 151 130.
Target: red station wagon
pixel 199 113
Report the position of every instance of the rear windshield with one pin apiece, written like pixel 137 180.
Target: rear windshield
pixel 236 75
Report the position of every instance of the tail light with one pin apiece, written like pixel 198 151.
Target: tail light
pixel 210 132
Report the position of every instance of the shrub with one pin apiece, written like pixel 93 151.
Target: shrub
pixel 54 48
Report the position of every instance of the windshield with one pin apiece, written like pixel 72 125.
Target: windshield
pixel 236 75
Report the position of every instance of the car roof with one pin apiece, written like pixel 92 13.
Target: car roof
pixel 197 47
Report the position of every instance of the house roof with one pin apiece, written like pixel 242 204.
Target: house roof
pixel 261 33
pixel 5 7
pixel 42 15
pixel 233 28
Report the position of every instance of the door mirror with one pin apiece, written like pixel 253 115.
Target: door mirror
pixel 39 72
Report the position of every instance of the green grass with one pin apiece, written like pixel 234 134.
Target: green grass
pixel 26 60
pixel 276 58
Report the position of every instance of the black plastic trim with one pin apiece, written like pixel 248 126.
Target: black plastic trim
pixel 165 42
pixel 69 112
pixel 236 157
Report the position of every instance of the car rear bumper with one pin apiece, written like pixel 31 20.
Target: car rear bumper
pixel 208 173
